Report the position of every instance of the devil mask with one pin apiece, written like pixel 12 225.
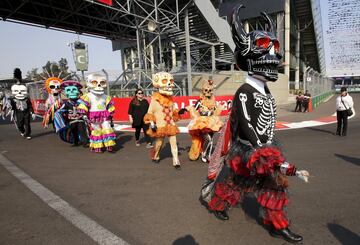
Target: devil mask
pixel 257 51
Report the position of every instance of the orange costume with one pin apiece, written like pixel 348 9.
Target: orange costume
pixel 53 102
pixel 205 121
pixel 162 116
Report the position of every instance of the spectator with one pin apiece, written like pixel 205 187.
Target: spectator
pixel 137 109
pixel 299 101
pixel 343 102
pixel 306 100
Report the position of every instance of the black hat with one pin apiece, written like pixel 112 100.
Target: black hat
pixel 343 89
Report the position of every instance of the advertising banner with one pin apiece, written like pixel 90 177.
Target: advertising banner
pixel 122 105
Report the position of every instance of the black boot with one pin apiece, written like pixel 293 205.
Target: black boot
pixel 287 235
pixel 221 215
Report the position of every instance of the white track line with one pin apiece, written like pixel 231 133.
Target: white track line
pixel 95 231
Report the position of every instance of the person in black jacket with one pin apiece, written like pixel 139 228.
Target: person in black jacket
pixel 137 109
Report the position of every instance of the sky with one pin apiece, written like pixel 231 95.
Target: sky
pixel 30 47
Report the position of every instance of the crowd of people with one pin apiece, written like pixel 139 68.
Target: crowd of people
pixel 246 158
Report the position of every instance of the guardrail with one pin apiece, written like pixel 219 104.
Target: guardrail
pixel 317 100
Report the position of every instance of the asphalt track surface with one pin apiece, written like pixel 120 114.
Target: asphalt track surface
pixel 145 203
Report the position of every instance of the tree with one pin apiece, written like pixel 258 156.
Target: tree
pixel 51 69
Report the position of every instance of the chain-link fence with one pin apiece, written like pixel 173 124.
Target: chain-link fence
pixel 319 86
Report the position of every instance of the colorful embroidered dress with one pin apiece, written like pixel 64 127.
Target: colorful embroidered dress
pixel 99 109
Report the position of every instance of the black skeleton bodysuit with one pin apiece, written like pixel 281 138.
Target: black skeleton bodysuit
pixel 256 113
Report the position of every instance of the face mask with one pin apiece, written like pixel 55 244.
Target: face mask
pixel 72 92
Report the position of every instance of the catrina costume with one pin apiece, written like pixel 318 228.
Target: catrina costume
pixel 162 116
pixel 69 122
pixel 53 102
pixel 205 122
pixel 98 108
pixel 247 157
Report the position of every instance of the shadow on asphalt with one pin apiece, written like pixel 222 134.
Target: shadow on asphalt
pixel 321 130
pixel 42 134
pixel 186 240
pixel 343 235
pixel 353 160
pixel 121 140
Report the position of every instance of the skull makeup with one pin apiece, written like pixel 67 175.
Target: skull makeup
pixel 19 91
pixel 96 83
pixel 164 82
pixel 257 51
pixel 71 89
pixel 207 89
pixel 52 85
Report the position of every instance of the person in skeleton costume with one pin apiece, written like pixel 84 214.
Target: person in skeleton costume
pixel 69 123
pixel 21 109
pixel 2 104
pixel 252 161
pixel 162 116
pixel 205 122
pixel 99 108
pixel 53 102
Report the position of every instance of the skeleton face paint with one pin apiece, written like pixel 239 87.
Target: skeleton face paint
pixel 164 82
pixel 19 91
pixel 96 83
pixel 258 51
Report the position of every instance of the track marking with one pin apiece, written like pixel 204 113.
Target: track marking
pixel 95 231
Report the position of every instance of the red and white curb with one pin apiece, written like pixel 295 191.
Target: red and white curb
pixel 279 125
pixel 310 123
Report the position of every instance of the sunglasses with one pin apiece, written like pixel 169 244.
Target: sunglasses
pixel 140 93
pixel 102 83
pixel 264 42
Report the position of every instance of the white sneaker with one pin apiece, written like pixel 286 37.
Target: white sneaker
pixel 149 146
pixel 22 134
pixel 137 143
pixel 28 138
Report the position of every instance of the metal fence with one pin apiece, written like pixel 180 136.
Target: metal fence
pixel 319 86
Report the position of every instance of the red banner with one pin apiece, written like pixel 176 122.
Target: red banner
pixel 38 106
pixel 107 2
pixel 122 105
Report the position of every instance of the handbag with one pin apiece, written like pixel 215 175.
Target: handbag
pixel 349 111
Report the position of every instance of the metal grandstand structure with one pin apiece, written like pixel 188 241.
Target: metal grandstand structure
pixel 185 37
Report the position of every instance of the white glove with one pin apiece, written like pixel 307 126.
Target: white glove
pixel 152 124
pixel 33 116
pixel 303 175
pixel 85 117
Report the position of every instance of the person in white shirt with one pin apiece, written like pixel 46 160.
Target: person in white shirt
pixel 343 102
